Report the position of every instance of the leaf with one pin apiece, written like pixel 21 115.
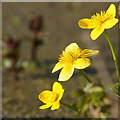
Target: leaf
pixel 116 89
pixel 95 89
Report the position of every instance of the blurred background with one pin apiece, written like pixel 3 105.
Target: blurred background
pixel 34 34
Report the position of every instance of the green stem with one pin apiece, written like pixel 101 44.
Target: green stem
pixel 69 106
pixel 113 54
pixel 86 76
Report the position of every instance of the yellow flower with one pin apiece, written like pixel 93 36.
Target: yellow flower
pixel 52 98
pixel 100 22
pixel 73 57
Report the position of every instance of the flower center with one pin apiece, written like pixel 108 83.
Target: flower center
pixel 52 97
pixel 100 17
pixel 70 57
pixel 48 96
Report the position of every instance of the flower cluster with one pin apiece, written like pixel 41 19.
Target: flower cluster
pixel 73 57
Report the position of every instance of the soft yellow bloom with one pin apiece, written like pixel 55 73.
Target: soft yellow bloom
pixel 52 98
pixel 73 57
pixel 100 22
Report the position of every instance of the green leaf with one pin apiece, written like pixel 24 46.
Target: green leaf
pixel 116 89
pixel 95 89
pixel 90 88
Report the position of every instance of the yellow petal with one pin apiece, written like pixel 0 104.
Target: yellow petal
pixel 73 47
pixel 82 63
pixel 111 10
pixel 48 96
pixel 88 52
pixel 56 105
pixel 87 24
pixel 45 106
pixel 58 66
pixel 57 87
pixel 60 95
pixel 109 23
pixel 96 32
pixel 66 72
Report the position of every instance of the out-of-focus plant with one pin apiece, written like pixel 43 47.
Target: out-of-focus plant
pixel 36 26
pixel 11 47
pixel 92 102
pixel 116 89
pixel 10 53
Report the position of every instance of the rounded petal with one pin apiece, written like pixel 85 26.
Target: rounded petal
pixel 58 66
pixel 57 87
pixel 88 52
pixel 72 47
pixel 96 32
pixel 109 23
pixel 45 106
pixel 111 10
pixel 87 24
pixel 82 63
pixel 48 96
pixel 60 95
pixel 66 72
pixel 55 105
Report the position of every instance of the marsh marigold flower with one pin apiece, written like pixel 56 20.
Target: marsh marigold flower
pixel 100 22
pixel 73 57
pixel 52 98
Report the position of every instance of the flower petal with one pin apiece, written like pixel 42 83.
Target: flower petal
pixel 109 23
pixel 82 63
pixel 55 105
pixel 87 23
pixel 45 106
pixel 111 10
pixel 72 47
pixel 47 96
pixel 96 32
pixel 58 66
pixel 89 52
pixel 66 72
pixel 57 87
pixel 60 95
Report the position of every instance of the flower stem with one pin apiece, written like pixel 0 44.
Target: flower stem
pixel 69 106
pixel 113 54
pixel 86 76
